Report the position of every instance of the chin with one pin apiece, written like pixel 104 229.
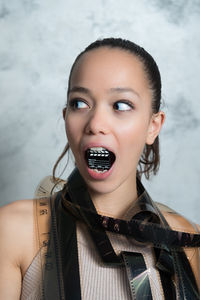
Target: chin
pixel 101 187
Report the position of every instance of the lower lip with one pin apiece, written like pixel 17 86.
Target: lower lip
pixel 100 176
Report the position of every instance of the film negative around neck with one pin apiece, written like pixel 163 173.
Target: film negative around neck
pixel 146 229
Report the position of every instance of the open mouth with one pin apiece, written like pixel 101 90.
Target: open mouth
pixel 99 159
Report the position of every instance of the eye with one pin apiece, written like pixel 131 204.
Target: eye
pixel 123 105
pixel 77 104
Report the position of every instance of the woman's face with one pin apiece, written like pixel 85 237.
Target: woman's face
pixel 109 107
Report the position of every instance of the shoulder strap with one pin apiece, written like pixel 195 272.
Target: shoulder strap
pixel 42 215
pixel 42 221
pixel 47 241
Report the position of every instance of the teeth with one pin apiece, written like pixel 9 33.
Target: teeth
pixel 97 149
pixel 98 171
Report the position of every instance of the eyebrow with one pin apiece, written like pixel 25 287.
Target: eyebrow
pixel 79 89
pixel 112 90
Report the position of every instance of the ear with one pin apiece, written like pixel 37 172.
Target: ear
pixel 155 126
pixel 64 112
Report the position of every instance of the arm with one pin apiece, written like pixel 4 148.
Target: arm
pixel 16 246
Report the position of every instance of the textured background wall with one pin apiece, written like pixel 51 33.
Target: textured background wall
pixel 40 39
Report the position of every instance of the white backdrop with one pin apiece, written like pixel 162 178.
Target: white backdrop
pixel 39 41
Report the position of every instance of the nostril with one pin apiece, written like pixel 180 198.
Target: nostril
pixel 97 125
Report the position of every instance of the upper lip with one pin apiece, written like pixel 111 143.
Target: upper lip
pixel 98 144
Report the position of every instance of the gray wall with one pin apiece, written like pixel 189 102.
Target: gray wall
pixel 40 39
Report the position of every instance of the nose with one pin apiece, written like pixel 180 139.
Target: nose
pixel 98 123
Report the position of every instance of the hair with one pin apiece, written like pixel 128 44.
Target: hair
pixel 150 159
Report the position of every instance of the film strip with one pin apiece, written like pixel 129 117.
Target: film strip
pixel 75 200
pixel 156 234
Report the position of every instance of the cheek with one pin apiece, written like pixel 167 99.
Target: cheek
pixel 133 131
pixel 71 129
pixel 132 139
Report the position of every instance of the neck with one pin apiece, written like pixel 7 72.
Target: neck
pixel 116 203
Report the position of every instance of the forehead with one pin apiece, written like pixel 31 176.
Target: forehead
pixel 108 68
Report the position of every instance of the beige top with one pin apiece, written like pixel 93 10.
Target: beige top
pixel 97 280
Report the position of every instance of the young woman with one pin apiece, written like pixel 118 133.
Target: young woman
pixel 102 237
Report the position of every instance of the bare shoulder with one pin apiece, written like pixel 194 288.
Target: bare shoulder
pixel 16 246
pixel 14 216
pixel 16 209
pixel 17 230
pixel 177 221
